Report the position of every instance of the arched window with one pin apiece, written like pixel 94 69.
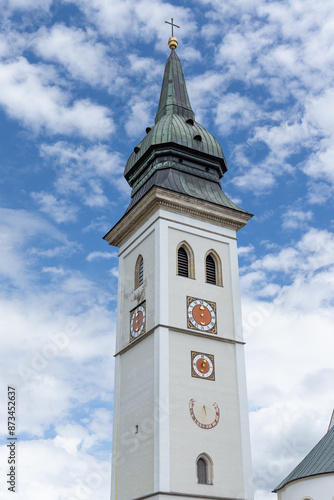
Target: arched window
pixel 213 269
pixel 210 270
pixel 139 271
pixel 185 261
pixel 201 471
pixel 204 466
pixel 182 263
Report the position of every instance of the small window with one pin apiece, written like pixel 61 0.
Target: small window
pixel 213 269
pixel 139 272
pixel 182 263
pixel 204 466
pixel 185 261
pixel 136 149
pixel 210 270
pixel 198 138
pixel 201 471
pixel 190 121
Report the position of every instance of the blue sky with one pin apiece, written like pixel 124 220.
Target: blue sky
pixel 80 82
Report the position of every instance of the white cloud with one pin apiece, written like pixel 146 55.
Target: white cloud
pixel 189 53
pixel 311 253
pixel 129 18
pixel 285 344
pixel 100 224
pixel 114 272
pixel 80 53
pixel 53 270
pixel 139 118
pixel 89 476
pixel 236 112
pixel 319 165
pixel 245 251
pixel 101 255
pixel 147 67
pixel 296 219
pixel 57 332
pixel 267 154
pixel 59 210
pixel 15 264
pixel 282 55
pixel 283 139
pixel 30 96
pixel 28 4
pixel 319 192
pixel 84 171
pixel 204 90
pixel 259 178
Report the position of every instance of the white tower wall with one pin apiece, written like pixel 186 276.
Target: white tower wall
pixel 153 382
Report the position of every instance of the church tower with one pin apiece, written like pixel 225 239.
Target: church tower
pixel 180 405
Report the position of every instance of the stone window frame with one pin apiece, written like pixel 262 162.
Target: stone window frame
pixel 218 265
pixel 209 467
pixel 139 277
pixel 191 259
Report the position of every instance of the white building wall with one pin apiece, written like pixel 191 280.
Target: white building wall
pixel 228 443
pixel 312 488
pixel 153 383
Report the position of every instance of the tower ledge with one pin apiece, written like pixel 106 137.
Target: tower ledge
pixel 177 203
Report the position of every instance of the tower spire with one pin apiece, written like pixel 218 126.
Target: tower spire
pixel 174 97
pixel 177 154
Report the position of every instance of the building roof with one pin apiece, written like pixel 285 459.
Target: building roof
pixel 184 183
pixel 320 460
pixel 174 97
pixel 175 128
pixel 177 153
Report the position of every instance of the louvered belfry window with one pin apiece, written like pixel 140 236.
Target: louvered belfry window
pixel 210 270
pixel 141 272
pixel 182 263
pixel 201 471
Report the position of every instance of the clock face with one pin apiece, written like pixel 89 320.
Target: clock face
pixel 205 416
pixel 137 321
pixel 201 315
pixel 202 365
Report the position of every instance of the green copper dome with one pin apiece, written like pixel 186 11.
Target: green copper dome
pixel 173 128
pixel 177 153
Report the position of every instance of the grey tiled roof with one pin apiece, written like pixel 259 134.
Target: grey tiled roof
pixel 320 460
pixel 188 184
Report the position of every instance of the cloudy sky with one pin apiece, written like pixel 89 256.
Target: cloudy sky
pixel 79 83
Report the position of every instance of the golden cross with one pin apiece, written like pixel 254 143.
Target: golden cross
pixel 172 24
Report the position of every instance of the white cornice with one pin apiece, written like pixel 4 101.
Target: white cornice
pixel 177 203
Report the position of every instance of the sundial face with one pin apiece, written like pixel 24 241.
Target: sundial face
pixel 205 415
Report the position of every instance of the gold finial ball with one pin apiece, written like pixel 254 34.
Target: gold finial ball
pixel 172 42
